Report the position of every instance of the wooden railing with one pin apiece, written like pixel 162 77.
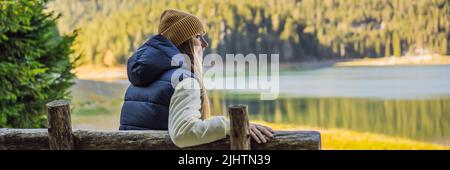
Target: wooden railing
pixel 59 136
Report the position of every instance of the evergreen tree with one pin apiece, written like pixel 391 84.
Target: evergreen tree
pixel 387 47
pixel 396 45
pixel 34 63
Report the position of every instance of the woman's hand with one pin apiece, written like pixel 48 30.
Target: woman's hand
pixel 260 133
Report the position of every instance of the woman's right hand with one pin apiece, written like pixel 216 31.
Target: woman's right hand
pixel 260 133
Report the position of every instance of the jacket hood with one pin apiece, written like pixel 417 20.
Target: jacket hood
pixel 151 60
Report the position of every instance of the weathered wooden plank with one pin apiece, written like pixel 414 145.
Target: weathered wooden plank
pixel 37 139
pixel 24 139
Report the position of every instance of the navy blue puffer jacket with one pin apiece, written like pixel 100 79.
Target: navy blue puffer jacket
pixel 150 72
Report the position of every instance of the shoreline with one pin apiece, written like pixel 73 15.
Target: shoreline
pixel 101 73
pixel 397 61
pixel 90 72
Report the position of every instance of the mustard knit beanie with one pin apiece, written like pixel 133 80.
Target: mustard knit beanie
pixel 179 26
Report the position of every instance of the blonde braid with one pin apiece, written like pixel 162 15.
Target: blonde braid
pixel 187 48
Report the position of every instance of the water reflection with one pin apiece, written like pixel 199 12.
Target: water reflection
pixel 422 119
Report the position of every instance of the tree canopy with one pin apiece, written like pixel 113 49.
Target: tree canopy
pixel 110 30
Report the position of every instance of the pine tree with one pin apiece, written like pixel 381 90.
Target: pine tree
pixel 387 47
pixel 34 63
pixel 444 47
pixel 396 45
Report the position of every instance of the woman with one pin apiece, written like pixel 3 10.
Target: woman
pixel 152 101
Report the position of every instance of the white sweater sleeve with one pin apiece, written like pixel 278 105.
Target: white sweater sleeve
pixel 185 126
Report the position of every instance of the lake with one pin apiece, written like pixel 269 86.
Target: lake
pixel 406 101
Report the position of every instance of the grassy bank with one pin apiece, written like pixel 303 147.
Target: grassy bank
pixel 351 140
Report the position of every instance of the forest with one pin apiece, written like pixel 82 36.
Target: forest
pixel 307 30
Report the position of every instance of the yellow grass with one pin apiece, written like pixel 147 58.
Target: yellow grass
pixel 339 139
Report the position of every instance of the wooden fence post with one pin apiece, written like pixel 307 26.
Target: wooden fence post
pixel 59 126
pixel 239 127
